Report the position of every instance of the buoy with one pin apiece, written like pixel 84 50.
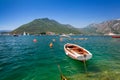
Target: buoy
pixel 34 40
pixel 53 40
pixel 51 45
pixel 61 39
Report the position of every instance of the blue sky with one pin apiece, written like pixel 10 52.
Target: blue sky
pixel 79 13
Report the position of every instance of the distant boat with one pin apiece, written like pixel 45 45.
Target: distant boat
pixel 76 52
pixel 15 35
pixel 64 36
pixel 24 33
pixel 116 36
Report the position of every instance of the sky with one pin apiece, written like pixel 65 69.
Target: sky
pixel 78 13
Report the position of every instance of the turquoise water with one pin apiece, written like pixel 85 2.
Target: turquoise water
pixel 23 59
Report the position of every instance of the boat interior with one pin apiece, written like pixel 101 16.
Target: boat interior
pixel 76 49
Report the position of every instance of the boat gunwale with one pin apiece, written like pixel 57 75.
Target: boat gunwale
pixel 78 47
pixel 76 55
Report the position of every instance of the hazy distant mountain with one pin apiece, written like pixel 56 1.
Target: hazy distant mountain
pixel 103 28
pixel 38 26
pixel 5 30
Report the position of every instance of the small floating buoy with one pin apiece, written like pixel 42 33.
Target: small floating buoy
pixel 34 40
pixel 61 39
pixel 51 45
pixel 53 40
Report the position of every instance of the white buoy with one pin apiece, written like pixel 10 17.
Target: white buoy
pixel 53 40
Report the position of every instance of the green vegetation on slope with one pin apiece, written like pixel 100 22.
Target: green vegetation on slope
pixel 38 26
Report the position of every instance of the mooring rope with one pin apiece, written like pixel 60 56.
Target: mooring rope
pixel 84 61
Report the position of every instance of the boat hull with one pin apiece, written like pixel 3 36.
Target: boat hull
pixel 115 36
pixel 77 56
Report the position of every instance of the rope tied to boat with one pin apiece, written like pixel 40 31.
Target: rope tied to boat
pixel 84 61
pixel 85 56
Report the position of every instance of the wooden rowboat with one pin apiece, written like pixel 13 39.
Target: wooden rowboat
pixel 76 52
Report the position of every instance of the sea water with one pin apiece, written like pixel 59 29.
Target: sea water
pixel 23 59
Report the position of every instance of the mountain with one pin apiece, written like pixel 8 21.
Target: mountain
pixel 44 25
pixel 111 26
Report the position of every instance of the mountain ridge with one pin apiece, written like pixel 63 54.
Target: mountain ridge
pixel 105 27
pixel 38 26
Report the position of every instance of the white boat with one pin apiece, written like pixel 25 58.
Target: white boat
pixel 64 36
pixel 76 52
pixel 24 34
